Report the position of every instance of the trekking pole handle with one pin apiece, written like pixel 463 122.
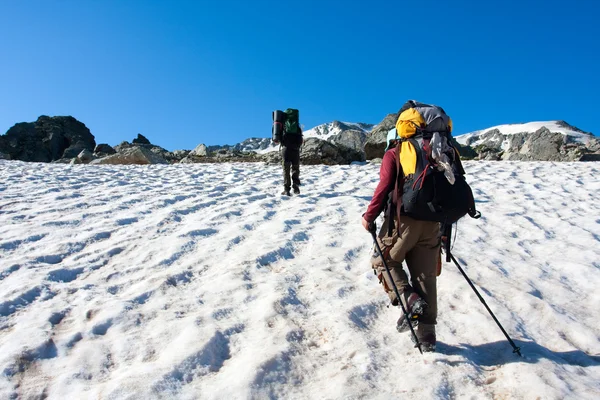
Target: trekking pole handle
pixel 372 227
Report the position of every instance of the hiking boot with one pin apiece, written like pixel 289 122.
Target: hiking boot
pixel 296 190
pixel 426 335
pixel 415 307
pixel 286 192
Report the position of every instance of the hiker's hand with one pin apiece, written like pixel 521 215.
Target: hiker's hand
pixel 365 224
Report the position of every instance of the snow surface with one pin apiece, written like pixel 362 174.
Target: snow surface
pixel 202 282
pixel 511 129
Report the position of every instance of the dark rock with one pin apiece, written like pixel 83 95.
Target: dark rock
pixel 571 127
pixel 590 157
pixel 104 149
pixel 141 139
pixel 466 152
pixel 488 153
pixel 47 139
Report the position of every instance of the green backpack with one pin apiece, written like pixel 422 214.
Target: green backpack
pixel 292 122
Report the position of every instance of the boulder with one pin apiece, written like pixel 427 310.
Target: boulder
pixel 317 151
pixel 352 143
pixel 273 157
pixel 47 139
pixel 590 157
pixel 125 148
pixel 375 142
pixel 132 155
pixel 85 156
pixel 199 151
pixel 104 149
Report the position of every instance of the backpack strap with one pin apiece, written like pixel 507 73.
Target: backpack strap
pixel 396 196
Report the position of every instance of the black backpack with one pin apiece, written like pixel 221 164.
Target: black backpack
pixel 427 194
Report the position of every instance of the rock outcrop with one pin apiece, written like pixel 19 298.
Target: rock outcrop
pixel 375 143
pixel 550 141
pixel 47 139
pixel 132 155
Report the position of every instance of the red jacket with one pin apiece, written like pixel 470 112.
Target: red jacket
pixel 387 183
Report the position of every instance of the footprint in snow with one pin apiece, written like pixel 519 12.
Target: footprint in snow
pixel 209 359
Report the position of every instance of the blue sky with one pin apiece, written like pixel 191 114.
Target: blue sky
pixel 189 72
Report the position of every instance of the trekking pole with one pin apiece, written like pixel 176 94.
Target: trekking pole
pixel 372 229
pixel 516 349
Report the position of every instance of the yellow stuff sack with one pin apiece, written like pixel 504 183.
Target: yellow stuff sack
pixel 418 118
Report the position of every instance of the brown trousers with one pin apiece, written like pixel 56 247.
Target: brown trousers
pixel 417 243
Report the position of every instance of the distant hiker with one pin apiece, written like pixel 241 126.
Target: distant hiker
pixel 421 184
pixel 287 132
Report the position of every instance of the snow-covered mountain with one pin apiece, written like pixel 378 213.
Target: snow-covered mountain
pixel 501 131
pixel 542 141
pixel 325 131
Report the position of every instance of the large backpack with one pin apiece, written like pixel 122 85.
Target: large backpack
pixel 292 122
pixel 434 187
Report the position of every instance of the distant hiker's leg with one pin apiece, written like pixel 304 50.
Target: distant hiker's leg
pixel 395 249
pixel 287 184
pixel 296 170
pixel 296 175
pixel 286 163
pixel 422 261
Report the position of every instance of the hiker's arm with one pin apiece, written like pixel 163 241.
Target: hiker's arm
pixel 387 176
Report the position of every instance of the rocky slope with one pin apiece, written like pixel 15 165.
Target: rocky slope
pixel 66 140
pixel 532 141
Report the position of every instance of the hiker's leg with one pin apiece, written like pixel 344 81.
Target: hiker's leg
pixel 287 184
pixel 422 262
pixel 394 249
pixel 296 170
